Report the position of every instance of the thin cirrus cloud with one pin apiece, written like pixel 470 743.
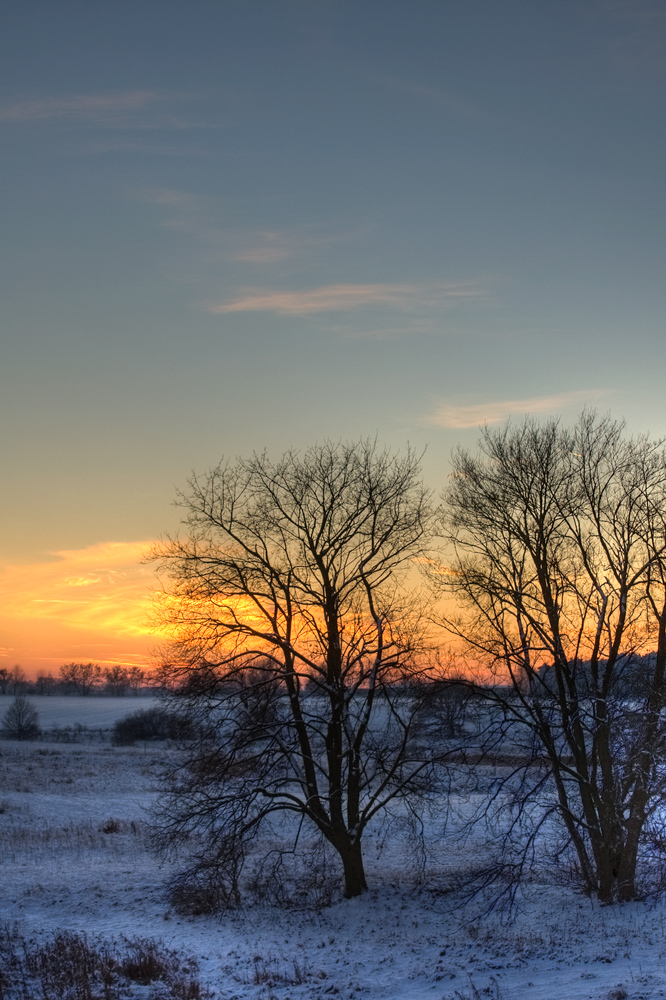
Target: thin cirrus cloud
pixel 91 603
pixel 144 109
pixel 102 587
pixel 204 219
pixel 476 414
pixel 343 297
pixel 194 215
pixel 78 106
pixel 269 246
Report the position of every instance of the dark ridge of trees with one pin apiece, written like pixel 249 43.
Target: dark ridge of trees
pixel 85 679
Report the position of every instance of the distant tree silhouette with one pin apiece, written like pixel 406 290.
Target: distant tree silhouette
pixel 81 677
pixel 45 684
pixel 116 680
pixel 135 679
pixel 17 678
pixel 21 721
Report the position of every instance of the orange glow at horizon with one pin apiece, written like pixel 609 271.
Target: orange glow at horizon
pixel 79 604
pixel 100 603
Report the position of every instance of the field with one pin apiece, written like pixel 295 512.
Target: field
pixel 71 710
pixel 75 857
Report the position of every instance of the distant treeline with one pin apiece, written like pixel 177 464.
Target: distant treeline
pixel 84 679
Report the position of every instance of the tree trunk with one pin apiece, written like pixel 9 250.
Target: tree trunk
pixel 352 861
pixel 627 868
pixel 616 872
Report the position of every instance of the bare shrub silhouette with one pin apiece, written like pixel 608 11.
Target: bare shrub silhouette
pixel 21 721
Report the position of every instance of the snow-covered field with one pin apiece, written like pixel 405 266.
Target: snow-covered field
pixel 70 710
pixel 74 856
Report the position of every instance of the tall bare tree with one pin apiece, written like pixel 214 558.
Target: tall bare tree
pixel 294 628
pixel 559 564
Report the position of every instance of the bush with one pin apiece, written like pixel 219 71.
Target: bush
pixel 151 724
pixel 72 967
pixel 21 721
pixel 192 894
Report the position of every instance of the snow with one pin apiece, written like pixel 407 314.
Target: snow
pixel 95 712
pixel 61 870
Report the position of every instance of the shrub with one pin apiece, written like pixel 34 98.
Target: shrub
pixel 67 966
pixel 71 967
pixel 194 895
pixel 151 724
pixel 21 721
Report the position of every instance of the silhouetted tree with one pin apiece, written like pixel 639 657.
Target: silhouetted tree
pixel 21 721
pixel 16 679
pixel 293 625
pixel 135 679
pixel 81 677
pixel 559 563
pixel 116 680
pixel 45 684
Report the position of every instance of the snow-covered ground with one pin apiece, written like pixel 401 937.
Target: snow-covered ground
pixel 73 855
pixel 95 712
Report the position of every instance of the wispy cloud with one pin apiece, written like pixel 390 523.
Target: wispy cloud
pixel 207 220
pixel 81 106
pixel 131 109
pixel 477 414
pixel 102 588
pixel 341 297
pixel 201 218
pixel 270 246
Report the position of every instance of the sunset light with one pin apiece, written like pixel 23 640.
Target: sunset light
pixel 91 603
pixel 333 532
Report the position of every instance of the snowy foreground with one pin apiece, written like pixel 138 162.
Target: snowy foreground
pixel 74 856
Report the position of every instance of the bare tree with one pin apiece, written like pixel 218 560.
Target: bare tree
pixel 45 684
pixel 82 677
pixel 445 697
pixel 136 678
pixel 559 563
pixel 294 627
pixel 16 678
pixel 116 680
pixel 21 721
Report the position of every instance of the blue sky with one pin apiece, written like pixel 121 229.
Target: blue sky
pixel 238 225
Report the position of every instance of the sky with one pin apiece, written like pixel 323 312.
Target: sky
pixel 238 225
